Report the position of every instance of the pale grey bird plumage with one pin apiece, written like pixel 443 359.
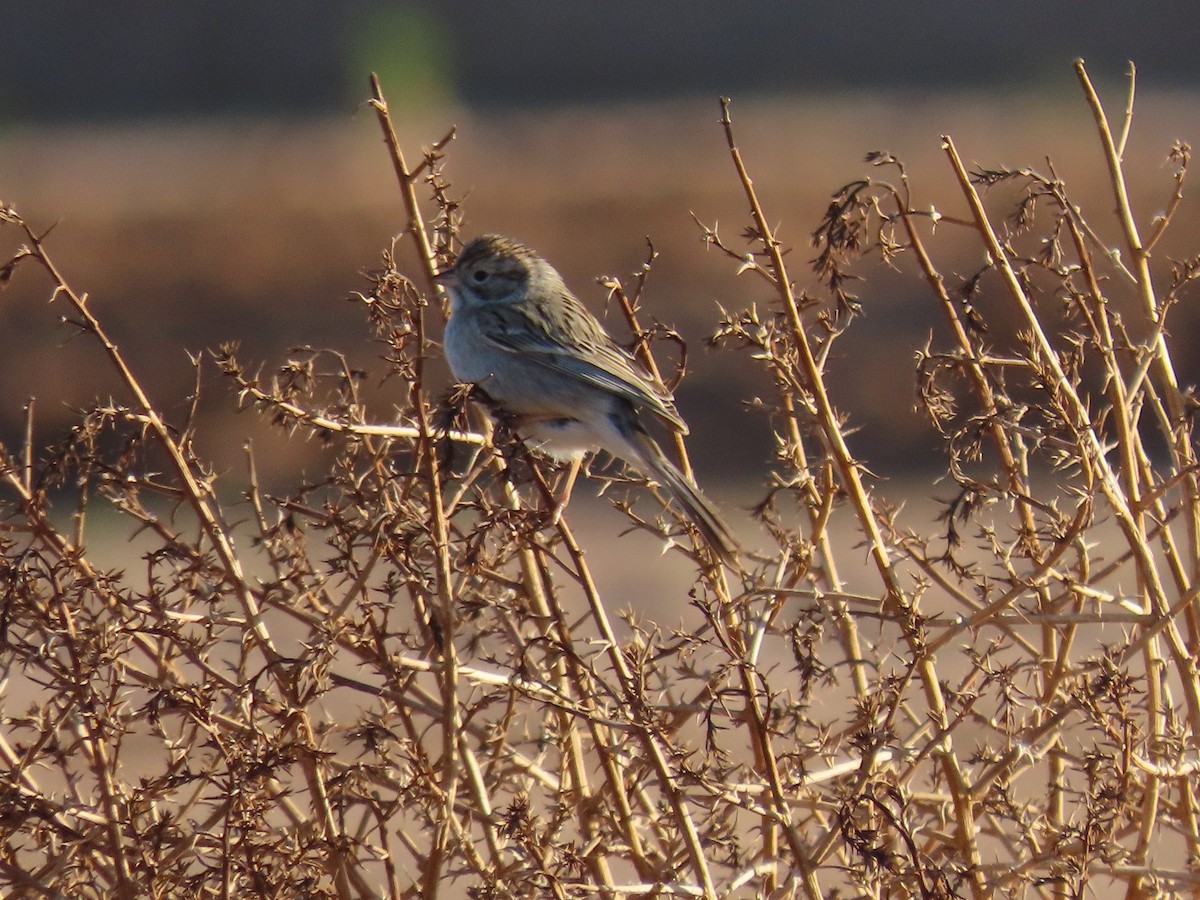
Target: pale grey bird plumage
pixel 519 335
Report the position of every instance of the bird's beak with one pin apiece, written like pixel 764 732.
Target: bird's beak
pixel 446 278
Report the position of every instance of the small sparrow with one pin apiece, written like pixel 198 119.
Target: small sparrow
pixel 518 334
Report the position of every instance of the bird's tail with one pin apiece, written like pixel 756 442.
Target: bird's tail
pixel 695 505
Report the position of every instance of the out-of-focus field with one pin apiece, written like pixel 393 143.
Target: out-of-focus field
pixel 193 234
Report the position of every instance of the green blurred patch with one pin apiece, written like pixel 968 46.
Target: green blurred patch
pixel 409 48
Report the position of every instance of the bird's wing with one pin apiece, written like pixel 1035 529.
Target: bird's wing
pixel 565 338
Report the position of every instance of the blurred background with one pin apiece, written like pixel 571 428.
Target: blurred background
pixel 215 175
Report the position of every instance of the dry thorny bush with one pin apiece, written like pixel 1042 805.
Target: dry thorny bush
pixel 403 681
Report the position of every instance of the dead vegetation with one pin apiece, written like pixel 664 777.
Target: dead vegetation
pixel 401 679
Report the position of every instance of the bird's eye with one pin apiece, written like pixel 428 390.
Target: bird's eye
pixel 480 276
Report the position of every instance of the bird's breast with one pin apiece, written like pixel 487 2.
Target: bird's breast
pixel 466 351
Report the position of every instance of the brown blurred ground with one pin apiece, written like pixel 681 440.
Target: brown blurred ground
pixel 186 236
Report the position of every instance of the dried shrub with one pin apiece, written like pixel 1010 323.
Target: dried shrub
pixel 401 680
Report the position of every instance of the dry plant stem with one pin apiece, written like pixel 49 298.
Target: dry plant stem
pixel 764 753
pixel 88 730
pixel 1127 121
pixel 1054 657
pixel 1138 254
pixel 1129 516
pixel 744 649
pixel 1008 598
pixel 1179 432
pixel 1016 481
pixel 1130 521
pixel 849 474
pixel 765 760
pixel 196 496
pixel 416 222
pixel 641 349
pixel 715 575
pixel 200 501
pixel 319 422
pixel 407 179
pixel 699 863
pixel 819 506
pixel 656 755
pixel 572 682
pixel 28 445
pixel 529 564
pixel 819 510
pixel 1135 469
pixel 1107 479
pixel 646 358
pixel 451 722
